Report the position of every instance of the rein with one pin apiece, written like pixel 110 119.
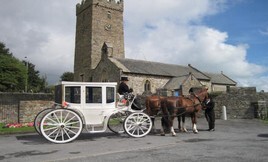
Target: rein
pixel 194 105
pixel 184 107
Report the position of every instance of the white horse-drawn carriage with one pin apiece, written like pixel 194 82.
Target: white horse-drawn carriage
pixel 93 107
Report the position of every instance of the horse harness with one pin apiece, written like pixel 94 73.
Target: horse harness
pixel 194 105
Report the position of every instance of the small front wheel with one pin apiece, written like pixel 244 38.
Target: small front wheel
pixel 137 124
pixel 116 121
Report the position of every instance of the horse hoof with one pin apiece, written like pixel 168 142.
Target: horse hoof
pixel 195 132
pixel 162 134
pixel 174 135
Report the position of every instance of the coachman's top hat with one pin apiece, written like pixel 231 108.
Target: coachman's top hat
pixel 124 78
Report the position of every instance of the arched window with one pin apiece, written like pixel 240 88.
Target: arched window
pixel 147 86
pixel 109 14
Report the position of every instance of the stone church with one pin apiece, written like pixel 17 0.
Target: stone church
pixel 100 56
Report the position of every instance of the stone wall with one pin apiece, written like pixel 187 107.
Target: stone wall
pixel 137 82
pixel 241 103
pixel 10 104
pixel 29 109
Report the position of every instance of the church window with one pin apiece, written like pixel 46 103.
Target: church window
pixel 147 86
pixel 109 14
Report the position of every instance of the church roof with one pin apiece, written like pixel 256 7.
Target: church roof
pixel 175 82
pixel 220 79
pixel 156 68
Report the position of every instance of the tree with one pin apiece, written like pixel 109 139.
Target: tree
pixel 16 75
pixel 12 71
pixel 35 83
pixel 67 76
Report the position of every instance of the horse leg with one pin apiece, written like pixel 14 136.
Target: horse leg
pixel 179 123
pixel 194 124
pixel 164 124
pixel 153 125
pixel 183 129
pixel 171 126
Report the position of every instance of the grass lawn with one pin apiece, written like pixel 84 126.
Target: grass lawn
pixel 15 130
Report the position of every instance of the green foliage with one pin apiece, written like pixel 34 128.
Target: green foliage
pixel 67 76
pixel 4 50
pixel 15 73
pixel 12 72
pixel 35 83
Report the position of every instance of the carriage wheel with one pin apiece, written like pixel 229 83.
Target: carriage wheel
pixel 138 124
pixel 38 118
pixel 61 125
pixel 116 121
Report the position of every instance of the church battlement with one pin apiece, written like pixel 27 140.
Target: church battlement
pixel 109 4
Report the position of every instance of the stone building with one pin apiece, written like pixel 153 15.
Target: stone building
pixel 99 56
pixel 97 21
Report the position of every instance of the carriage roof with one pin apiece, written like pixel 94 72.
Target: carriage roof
pixel 68 83
pixel 60 89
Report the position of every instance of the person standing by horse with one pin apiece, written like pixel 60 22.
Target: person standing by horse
pixel 209 113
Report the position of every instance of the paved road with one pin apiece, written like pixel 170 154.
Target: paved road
pixel 233 140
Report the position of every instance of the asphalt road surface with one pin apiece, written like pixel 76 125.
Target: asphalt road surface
pixel 234 140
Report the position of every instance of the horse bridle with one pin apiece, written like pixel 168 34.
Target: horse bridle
pixel 202 103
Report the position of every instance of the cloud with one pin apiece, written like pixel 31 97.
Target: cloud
pixel 264 32
pixel 174 33
pixel 42 31
pixel 170 31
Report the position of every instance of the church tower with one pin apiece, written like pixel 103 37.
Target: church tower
pixel 97 22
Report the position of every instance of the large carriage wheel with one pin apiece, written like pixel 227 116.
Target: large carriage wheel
pixel 116 122
pixel 38 118
pixel 138 124
pixel 61 125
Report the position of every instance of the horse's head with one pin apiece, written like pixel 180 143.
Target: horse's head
pixel 153 104
pixel 202 96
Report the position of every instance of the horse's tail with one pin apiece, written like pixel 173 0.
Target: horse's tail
pixel 165 120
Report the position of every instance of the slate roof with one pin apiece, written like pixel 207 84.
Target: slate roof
pixel 155 68
pixel 220 79
pixel 174 83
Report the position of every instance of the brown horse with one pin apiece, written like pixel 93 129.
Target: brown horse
pixel 172 107
pixel 154 106
pixel 191 106
pixel 164 107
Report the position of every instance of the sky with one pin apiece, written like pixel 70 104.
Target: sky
pixel 229 36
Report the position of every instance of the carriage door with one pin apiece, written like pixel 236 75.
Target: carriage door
pixel 93 107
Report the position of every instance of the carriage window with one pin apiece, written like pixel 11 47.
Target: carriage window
pixel 73 94
pixel 93 95
pixel 110 94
